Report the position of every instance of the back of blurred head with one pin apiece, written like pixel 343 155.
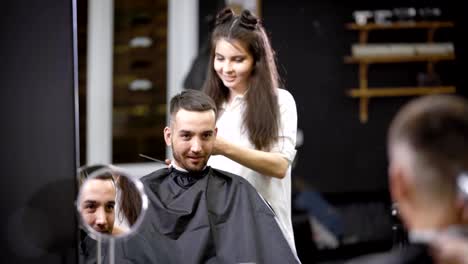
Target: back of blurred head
pixel 428 150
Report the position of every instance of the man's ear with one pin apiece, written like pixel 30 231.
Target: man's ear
pixel 215 131
pixel 398 183
pixel 400 190
pixel 167 136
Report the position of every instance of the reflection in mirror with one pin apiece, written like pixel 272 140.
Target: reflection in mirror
pixel 111 205
pixel 110 202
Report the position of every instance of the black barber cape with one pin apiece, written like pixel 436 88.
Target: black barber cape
pixel 209 217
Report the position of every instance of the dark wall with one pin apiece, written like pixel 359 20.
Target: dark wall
pixel 38 138
pixel 207 13
pixel 339 153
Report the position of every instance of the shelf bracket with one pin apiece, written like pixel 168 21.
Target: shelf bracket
pixel 363 34
pixel 364 100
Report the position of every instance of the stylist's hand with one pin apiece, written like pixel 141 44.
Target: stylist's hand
pixel 220 146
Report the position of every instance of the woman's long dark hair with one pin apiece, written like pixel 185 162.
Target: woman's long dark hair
pixel 261 116
pixel 130 199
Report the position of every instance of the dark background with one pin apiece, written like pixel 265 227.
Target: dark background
pixel 38 140
pixel 340 154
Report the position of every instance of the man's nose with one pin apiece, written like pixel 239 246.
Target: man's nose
pixel 196 145
pixel 101 218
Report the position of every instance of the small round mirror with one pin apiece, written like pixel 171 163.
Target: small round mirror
pixel 111 204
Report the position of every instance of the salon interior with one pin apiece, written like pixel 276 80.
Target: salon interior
pixel 88 82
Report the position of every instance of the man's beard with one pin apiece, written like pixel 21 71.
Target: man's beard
pixel 186 164
pixel 107 231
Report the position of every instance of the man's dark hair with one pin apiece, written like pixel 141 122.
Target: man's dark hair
pixel 86 171
pixel 192 100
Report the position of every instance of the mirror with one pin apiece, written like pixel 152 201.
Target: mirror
pixel 110 203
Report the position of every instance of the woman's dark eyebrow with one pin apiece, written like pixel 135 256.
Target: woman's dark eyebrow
pixel 240 56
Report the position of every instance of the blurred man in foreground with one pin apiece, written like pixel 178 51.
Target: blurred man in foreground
pixel 428 152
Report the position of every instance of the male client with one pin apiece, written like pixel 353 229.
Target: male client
pixel 197 214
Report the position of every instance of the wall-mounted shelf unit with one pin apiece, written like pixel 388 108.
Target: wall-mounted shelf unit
pixel 364 93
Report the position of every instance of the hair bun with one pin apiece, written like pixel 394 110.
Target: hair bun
pixel 248 20
pixel 224 15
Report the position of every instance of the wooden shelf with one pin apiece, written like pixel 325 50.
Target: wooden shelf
pixel 364 93
pixel 400 91
pixel 402 25
pixel 398 58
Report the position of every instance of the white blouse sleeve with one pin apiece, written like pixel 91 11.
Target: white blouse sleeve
pixel 286 144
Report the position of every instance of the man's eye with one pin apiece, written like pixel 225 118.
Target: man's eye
pixel 110 208
pixel 239 59
pixel 89 206
pixel 90 209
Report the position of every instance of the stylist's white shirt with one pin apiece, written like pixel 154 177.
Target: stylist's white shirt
pixel 276 191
